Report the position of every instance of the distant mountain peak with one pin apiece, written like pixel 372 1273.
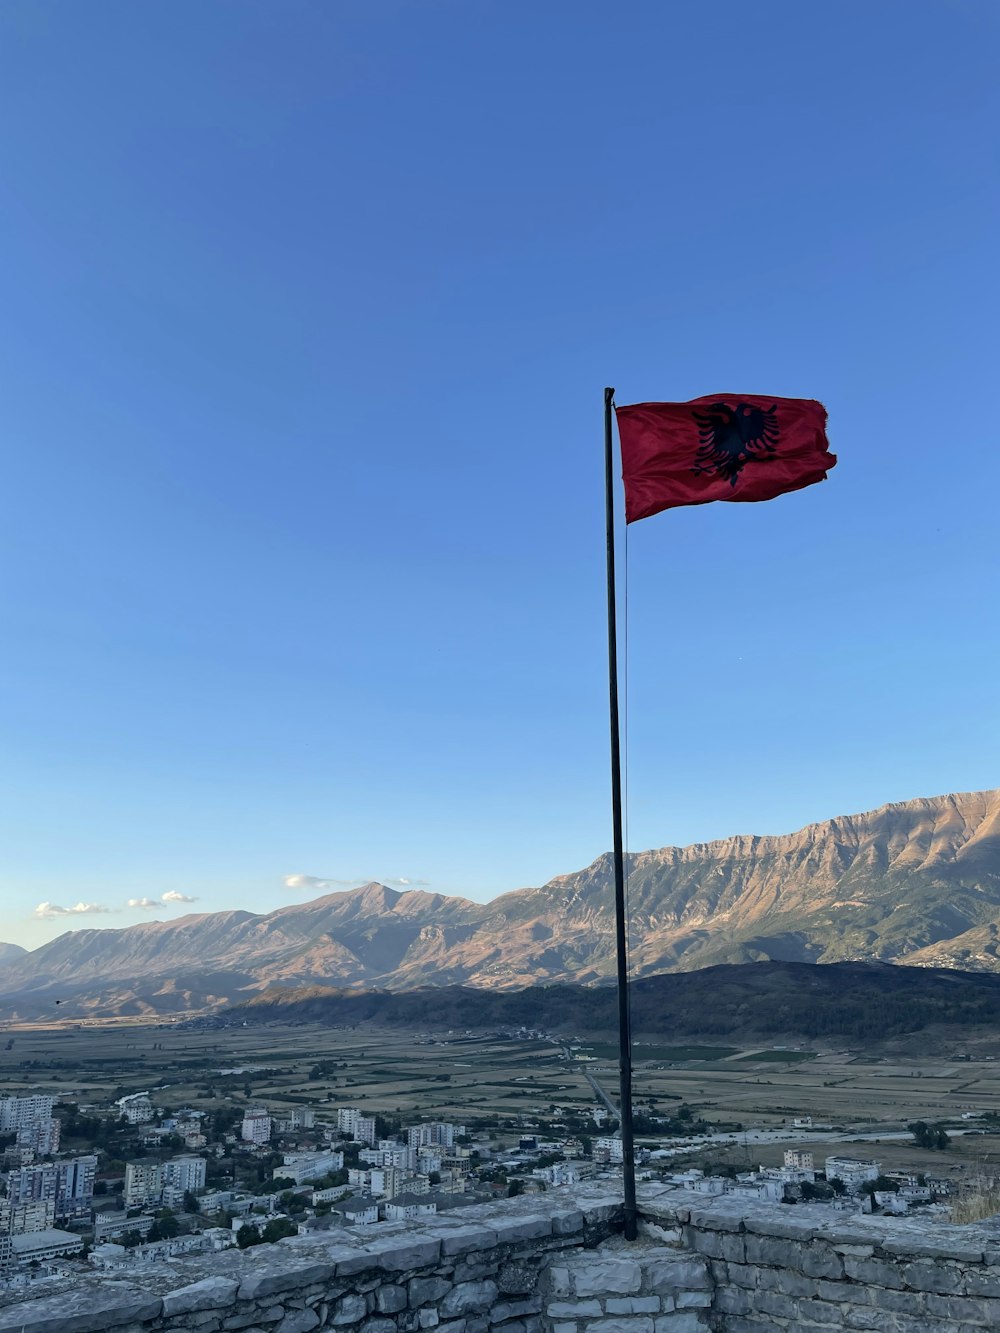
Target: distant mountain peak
pixel 915 880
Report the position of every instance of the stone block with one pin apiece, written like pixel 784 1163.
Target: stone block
pixel 427 1290
pixel 301 1321
pixel 942 1246
pixel 567 1224
pixel 876 1272
pixel 281 1273
pixel 469 1298
pixel 982 1284
pixel 85 1310
pixel 942 1278
pixel 633 1305
pixel 622 1324
pixel 959 1309
pixel 565 1326
pixel 460 1240
pixel 515 1309
pixel 380 1324
pixel 574 1310
pixel 605 1277
pixel 427 1318
pixel 522 1226
pixel 349 1309
pixel 396 1254
pixel 684 1321
pixel 693 1300
pixel 390 1298
pixel 667 1275
pixel 787 1281
pixel 555 1280
pixel 213 1293
pixel 733 1300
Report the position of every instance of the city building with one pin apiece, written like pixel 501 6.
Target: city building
pixel 799 1160
pixel 185 1174
pixel 111 1226
pixel 68 1186
pixel 33 1215
pixel 136 1108
pixel 609 1146
pixel 143 1183
pixel 854 1172
pixel 305 1166
pixel 41 1245
pixel 42 1138
pixel 24 1112
pixel 360 1127
pixel 256 1127
pixel 408 1207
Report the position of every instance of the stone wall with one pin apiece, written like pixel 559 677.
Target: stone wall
pixel 775 1267
pixel 555 1263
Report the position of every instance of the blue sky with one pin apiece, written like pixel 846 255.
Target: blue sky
pixel 307 311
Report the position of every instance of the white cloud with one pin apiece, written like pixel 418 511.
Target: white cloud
pixel 314 884
pixel 147 903
pixel 172 896
pixel 317 884
pixel 48 910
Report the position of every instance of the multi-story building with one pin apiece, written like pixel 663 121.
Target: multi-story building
pixel 854 1172
pixel 23 1112
pixel 609 1145
pixel 136 1108
pixel 109 1226
pixel 143 1183
pixel 35 1215
pixel 437 1134
pixel 360 1127
pixel 305 1166
pixel 799 1160
pixel 41 1138
pixel 185 1173
pixel 68 1185
pixel 256 1126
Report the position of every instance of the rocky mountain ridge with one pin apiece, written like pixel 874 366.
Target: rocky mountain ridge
pixel 915 882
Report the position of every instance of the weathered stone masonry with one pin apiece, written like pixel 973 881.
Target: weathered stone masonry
pixel 554 1263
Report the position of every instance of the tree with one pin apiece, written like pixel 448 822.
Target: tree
pixel 434 1178
pixel 167 1223
pixel 191 1202
pixel 278 1229
pixel 248 1235
pixel 929 1136
pixel 514 1188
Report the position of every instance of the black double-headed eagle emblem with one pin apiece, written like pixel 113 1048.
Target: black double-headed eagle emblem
pixel 733 436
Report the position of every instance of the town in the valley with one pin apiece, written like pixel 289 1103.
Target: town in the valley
pixel 100 1175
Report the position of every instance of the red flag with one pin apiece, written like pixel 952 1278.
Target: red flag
pixel 728 446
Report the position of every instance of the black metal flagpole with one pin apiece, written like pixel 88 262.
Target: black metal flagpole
pixel 624 1026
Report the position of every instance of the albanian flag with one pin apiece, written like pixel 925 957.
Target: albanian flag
pixel 724 447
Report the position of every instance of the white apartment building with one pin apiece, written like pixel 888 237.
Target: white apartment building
pixel 41 1138
pixel 24 1112
pixel 408 1207
pixel 437 1134
pixel 854 1172
pixel 799 1160
pixel 360 1127
pixel 304 1166
pixel 185 1173
pixel 143 1183
pixel 109 1226
pixel 136 1108
pixel 256 1127
pixel 610 1145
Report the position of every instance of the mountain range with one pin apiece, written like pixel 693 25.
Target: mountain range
pixel 916 882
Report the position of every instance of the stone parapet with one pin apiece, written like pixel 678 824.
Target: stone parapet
pixel 556 1263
